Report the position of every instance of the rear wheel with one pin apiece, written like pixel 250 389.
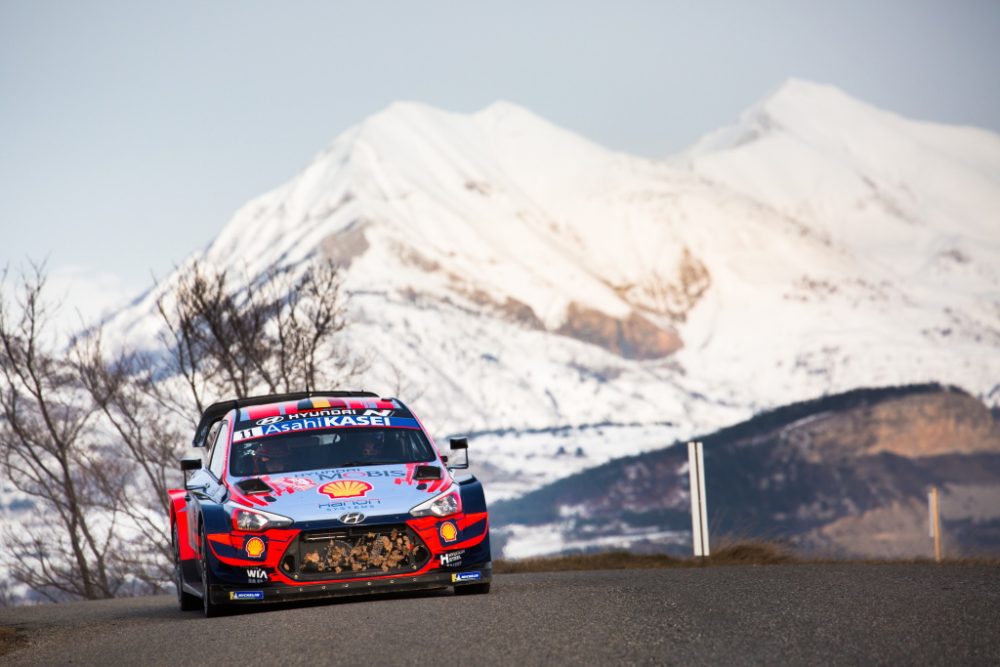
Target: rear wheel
pixel 473 589
pixel 186 601
pixel 210 608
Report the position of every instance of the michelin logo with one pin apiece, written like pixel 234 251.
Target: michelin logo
pixel 466 576
pixel 246 595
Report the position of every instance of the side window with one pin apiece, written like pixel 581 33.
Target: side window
pixel 218 456
pixel 213 433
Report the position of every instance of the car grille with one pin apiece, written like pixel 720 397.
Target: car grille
pixel 355 552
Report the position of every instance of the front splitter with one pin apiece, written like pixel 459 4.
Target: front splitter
pixel 229 594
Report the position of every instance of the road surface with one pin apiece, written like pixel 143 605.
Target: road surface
pixel 785 614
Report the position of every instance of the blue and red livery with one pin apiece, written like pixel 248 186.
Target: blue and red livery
pixel 318 494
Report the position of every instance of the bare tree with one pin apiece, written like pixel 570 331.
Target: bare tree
pixel 149 444
pixel 94 436
pixel 219 340
pixel 47 453
pixel 276 334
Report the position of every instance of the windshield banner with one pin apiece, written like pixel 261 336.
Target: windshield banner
pixel 316 423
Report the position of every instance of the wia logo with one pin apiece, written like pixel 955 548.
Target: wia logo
pixel 256 574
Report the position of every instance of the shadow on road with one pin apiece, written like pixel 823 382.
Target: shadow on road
pixel 250 609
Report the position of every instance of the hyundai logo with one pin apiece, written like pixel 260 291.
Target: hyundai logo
pixel 269 420
pixel 352 517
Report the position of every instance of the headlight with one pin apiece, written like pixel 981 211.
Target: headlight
pixel 255 521
pixel 448 503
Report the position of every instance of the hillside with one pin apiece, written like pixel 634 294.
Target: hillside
pixel 842 475
pixel 508 274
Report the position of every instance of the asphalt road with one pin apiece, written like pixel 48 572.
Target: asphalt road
pixel 792 614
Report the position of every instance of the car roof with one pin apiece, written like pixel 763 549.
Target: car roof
pixel 217 411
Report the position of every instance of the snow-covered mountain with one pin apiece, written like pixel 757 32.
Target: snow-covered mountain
pixel 510 274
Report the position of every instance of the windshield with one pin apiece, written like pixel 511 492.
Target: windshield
pixel 334 448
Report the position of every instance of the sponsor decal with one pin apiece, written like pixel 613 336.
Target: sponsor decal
pixel 288 485
pixel 269 420
pixel 448 532
pixel 314 423
pixel 352 518
pixel 356 473
pixel 345 488
pixel 336 413
pixel 308 405
pixel 256 575
pixel 466 576
pixel 246 595
pixel 325 412
pixel 451 558
pixel 248 434
pixel 328 412
pixel 341 505
pixel 255 547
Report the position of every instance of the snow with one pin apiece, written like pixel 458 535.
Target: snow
pixel 512 464
pixel 844 246
pixel 552 539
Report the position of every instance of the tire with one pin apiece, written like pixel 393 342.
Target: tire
pixel 210 608
pixel 473 589
pixel 186 601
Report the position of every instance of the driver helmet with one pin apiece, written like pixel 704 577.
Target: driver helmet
pixel 273 456
pixel 372 443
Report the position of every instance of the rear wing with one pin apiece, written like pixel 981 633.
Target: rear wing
pixel 217 411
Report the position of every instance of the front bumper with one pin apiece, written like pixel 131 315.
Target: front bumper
pixel 261 562
pixel 249 594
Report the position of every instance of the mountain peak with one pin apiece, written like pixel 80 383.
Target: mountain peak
pixel 405 113
pixel 797 101
pixel 500 112
pixel 815 112
pixel 802 91
pixel 506 109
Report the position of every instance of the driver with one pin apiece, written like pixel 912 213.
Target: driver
pixel 373 444
pixel 273 457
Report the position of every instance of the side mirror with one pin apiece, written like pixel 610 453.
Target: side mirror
pixel 460 445
pixel 189 463
pixel 425 473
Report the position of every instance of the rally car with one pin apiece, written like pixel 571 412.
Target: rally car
pixel 319 494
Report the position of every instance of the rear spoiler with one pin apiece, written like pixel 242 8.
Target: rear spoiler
pixel 217 411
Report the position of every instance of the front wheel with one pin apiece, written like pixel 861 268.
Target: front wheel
pixel 210 608
pixel 473 589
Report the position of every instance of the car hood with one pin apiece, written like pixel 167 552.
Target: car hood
pixel 327 494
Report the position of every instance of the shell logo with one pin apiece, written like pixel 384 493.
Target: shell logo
pixel 448 531
pixel 255 547
pixel 345 488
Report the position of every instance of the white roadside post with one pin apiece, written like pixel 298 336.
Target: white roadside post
pixel 934 520
pixel 699 505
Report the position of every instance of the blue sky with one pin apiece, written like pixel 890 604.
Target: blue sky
pixel 130 131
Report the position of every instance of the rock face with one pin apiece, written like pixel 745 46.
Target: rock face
pixel 913 426
pixel 633 337
pixel 846 475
